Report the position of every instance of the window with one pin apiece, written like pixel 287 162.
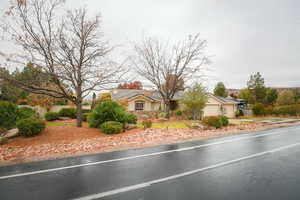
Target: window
pixel 139 105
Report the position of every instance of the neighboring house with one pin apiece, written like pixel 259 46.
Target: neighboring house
pixel 220 106
pixel 151 101
pixel 138 100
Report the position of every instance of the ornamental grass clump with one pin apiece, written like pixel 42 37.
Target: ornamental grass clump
pixel 112 127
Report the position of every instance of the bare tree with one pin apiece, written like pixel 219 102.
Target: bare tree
pixel 169 67
pixel 65 44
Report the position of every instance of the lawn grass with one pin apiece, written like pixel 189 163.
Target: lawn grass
pixel 166 125
pixel 57 123
pixel 62 123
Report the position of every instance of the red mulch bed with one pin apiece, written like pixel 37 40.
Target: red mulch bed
pixel 58 142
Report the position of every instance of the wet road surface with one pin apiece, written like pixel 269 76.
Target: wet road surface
pixel 260 165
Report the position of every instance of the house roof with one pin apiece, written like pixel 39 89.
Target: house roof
pixel 143 96
pixel 118 94
pixel 225 100
pixel 126 93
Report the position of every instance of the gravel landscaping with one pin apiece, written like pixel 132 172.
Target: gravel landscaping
pixel 58 142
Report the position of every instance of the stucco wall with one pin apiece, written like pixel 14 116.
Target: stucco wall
pixel 230 110
pixel 147 104
pixel 156 106
pixel 213 108
pixel 56 108
pixel 40 110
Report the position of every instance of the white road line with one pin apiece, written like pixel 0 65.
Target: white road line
pixel 141 156
pixel 149 183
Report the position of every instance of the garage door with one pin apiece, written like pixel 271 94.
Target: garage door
pixel 212 110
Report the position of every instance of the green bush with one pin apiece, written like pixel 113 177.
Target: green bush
pixel 259 109
pixel 178 113
pixel 8 114
pixel 239 113
pixel 131 118
pixel 3 140
pixel 68 112
pixel 112 127
pixel 109 111
pixel 291 110
pixel 213 121
pixel 23 103
pixel 30 127
pixel 26 112
pixel 51 116
pixel 269 110
pixel 85 116
pixel 147 124
pixel 224 120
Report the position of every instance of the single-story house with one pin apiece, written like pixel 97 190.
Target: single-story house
pixel 151 101
pixel 220 106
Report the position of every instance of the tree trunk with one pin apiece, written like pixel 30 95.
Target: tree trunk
pixel 167 109
pixel 79 114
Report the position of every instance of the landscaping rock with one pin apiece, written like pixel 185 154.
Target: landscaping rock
pixel 64 118
pixel 2 131
pixel 162 119
pixel 144 116
pixel 58 142
pixel 12 133
pixel 130 126
pixel 197 126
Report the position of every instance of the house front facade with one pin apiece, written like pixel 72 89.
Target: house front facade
pixel 142 101
pixel 216 106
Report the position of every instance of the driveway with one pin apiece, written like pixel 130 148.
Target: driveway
pixel 260 165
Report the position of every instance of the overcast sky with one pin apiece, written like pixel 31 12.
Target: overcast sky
pixel 243 37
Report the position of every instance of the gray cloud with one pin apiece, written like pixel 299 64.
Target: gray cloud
pixel 243 36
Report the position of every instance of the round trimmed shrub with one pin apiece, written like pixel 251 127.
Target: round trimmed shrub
pixel 26 112
pixel 259 109
pixel 108 111
pixel 51 116
pixel 68 112
pixel 8 114
pixel 112 127
pixel 213 121
pixel 224 120
pixel 30 127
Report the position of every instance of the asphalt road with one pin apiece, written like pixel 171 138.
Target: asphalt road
pixel 260 165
